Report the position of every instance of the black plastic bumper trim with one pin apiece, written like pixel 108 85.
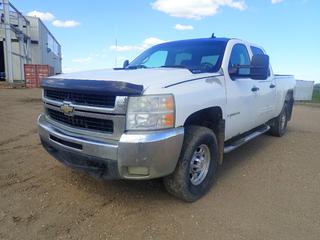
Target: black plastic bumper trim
pixel 94 166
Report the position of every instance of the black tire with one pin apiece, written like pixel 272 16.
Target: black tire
pixel 279 126
pixel 179 183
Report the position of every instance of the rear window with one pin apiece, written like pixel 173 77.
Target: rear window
pixel 180 57
pixel 212 59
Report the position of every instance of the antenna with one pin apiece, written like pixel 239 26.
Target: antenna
pixel 115 60
pixel 116 44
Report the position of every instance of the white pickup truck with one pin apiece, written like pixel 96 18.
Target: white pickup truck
pixel 172 112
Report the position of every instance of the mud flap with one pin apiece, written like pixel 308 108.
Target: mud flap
pixel 220 137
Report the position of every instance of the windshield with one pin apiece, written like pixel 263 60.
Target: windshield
pixel 197 56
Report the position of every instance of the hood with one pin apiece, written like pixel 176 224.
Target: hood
pixel 131 81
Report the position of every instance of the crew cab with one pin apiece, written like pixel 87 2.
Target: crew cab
pixel 172 113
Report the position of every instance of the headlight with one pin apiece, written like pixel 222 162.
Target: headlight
pixel 150 112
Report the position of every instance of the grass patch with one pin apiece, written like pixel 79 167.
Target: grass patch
pixel 316 96
pixel 315 101
pixel 316 93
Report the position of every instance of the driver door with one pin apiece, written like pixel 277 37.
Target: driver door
pixel 241 94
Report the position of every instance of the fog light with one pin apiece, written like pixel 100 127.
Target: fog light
pixel 138 170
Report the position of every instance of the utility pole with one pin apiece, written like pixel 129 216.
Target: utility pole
pixel 21 50
pixel 116 50
pixel 116 58
pixel 8 48
pixel 28 44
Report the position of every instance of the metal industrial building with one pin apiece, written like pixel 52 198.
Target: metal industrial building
pixel 30 42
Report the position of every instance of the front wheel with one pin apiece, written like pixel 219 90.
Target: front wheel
pixel 195 170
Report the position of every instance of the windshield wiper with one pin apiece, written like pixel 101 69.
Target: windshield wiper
pixel 136 66
pixel 192 70
pixel 173 66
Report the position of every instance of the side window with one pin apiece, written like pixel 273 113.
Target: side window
pixel 256 51
pixel 156 59
pixel 240 56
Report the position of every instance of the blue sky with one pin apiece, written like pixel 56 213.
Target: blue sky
pixel 289 30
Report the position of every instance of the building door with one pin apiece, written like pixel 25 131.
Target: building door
pixel 2 64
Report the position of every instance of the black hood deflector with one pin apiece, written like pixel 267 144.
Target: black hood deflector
pixel 93 86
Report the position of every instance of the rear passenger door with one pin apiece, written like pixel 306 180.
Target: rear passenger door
pixel 266 94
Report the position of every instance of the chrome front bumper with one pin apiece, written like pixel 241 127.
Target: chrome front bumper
pixel 137 155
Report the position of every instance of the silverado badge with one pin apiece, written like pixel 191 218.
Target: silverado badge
pixel 67 109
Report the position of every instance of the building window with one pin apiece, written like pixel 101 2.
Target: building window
pixel 53 46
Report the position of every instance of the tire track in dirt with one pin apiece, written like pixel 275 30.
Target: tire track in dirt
pixel 14 139
pixel 31 146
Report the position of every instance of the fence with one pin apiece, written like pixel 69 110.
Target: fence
pixel 304 90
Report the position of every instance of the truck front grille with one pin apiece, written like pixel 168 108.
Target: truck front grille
pixel 81 98
pixel 88 123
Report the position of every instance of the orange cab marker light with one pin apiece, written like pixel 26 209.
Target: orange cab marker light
pixel 169 119
pixel 169 103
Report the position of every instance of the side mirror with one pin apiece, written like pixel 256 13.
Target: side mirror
pixel 259 68
pixel 233 71
pixel 239 71
pixel 125 63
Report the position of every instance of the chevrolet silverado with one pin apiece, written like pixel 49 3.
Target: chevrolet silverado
pixel 172 113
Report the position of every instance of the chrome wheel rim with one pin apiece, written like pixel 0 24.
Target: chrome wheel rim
pixel 199 164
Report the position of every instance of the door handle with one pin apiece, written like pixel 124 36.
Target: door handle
pixel 255 89
pixel 272 85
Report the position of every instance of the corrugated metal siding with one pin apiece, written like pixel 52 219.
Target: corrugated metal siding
pixel 38 52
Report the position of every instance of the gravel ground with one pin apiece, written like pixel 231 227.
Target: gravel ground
pixel 267 189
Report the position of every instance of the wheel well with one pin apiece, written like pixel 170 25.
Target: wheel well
pixel 289 95
pixel 289 100
pixel 212 119
pixel 208 117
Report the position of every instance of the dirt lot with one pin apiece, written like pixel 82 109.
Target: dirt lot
pixel 268 189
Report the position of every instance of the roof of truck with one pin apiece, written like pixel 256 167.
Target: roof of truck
pixel 200 40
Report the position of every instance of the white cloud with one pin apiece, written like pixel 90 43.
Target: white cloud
pixel 65 24
pixel 148 42
pixel 83 60
pixel 49 17
pixel 66 69
pixel 195 9
pixel 44 16
pixel 124 48
pixel 276 1
pixel 182 27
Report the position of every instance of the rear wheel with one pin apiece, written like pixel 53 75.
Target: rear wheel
pixel 195 170
pixel 279 126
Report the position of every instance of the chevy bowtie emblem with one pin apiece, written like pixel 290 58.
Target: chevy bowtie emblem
pixel 67 109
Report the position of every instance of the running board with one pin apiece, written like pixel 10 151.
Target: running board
pixel 233 145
